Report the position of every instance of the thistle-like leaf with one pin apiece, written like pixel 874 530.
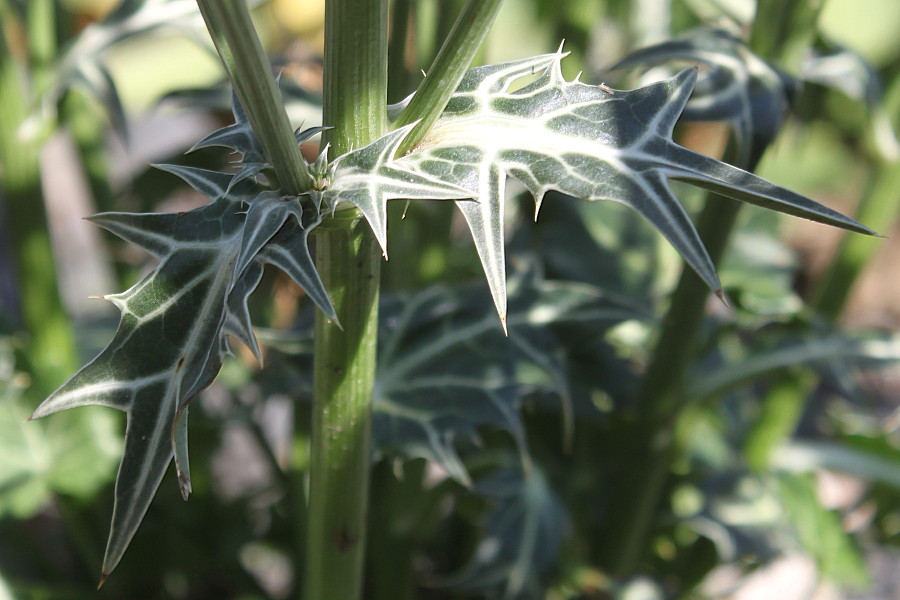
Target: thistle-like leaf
pixel 737 86
pixel 172 336
pixel 239 137
pixel 165 351
pixel 444 373
pixel 588 142
pixel 523 531
pixel 367 178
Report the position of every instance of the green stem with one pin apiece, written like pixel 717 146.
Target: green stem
pixel 453 59
pixel 780 411
pixel 660 397
pixel 248 68
pixel 349 262
pixel 355 78
pixel 878 205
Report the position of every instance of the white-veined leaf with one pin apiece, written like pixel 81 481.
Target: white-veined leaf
pixel 166 348
pixel 587 142
pixel 172 334
pixel 737 86
pixel 367 178
pixel 523 531
pixel 445 372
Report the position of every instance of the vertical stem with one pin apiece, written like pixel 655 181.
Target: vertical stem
pixel 349 262
pixel 355 86
pixel 878 205
pixel 245 61
pixel 660 396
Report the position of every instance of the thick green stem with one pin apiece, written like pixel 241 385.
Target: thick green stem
pixel 878 205
pixel 451 63
pixel 248 68
pixel 349 262
pixel 355 85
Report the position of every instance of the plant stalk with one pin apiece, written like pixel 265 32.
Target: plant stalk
pixel 248 68
pixel 455 56
pixel 660 396
pixel 349 261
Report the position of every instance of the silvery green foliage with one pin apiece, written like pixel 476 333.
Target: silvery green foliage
pixel 588 142
pixel 578 139
pixel 444 372
pixel 171 339
pixel 738 87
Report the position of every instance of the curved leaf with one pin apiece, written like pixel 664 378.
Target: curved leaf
pixel 737 86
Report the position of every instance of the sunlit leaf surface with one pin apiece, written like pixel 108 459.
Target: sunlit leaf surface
pixel 584 141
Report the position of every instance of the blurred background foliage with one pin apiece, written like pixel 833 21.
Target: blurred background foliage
pixel 503 483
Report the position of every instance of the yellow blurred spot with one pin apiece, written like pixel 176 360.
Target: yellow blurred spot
pixel 93 9
pixel 302 18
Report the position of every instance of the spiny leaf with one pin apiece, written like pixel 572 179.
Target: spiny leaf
pixel 523 530
pixel 238 136
pixel 587 142
pixel 211 184
pixel 737 86
pixel 167 347
pixel 444 373
pixel 367 178
pixel 172 336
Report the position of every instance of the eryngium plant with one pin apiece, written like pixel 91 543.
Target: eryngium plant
pixel 586 141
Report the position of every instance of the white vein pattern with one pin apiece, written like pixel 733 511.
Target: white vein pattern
pixel 587 142
pixel 738 87
pixel 367 178
pixel 444 372
pixel 171 338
